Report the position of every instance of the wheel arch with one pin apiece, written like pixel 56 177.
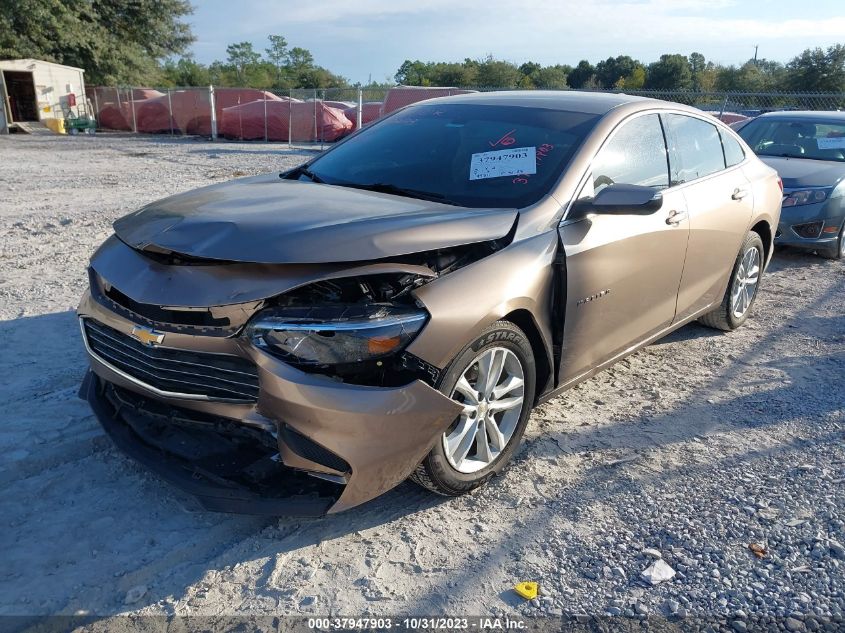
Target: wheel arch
pixel 763 229
pixel 525 321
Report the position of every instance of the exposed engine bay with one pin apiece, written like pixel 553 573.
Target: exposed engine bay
pixel 351 323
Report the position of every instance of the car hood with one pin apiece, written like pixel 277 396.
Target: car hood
pixel 805 172
pixel 269 220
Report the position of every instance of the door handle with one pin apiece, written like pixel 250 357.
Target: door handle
pixel 739 194
pixel 675 217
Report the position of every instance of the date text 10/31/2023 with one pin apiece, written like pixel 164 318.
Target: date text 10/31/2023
pixel 420 623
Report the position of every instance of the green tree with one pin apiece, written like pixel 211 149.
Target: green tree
pixel 114 41
pixel 529 68
pixel 818 70
pixel 697 65
pixel 581 74
pixel 670 72
pixel 277 53
pixel 610 71
pixel 451 74
pixel 753 76
pixel 300 59
pixel 634 81
pixel 185 72
pixel 494 73
pixel 410 73
pixel 551 77
pixel 278 56
pixel 707 79
pixel 242 56
pixel 319 77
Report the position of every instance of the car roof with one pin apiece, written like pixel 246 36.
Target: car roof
pixel 564 100
pixel 807 115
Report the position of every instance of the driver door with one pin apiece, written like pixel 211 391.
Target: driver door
pixel 622 271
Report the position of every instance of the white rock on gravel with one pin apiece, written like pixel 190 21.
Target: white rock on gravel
pixel 659 571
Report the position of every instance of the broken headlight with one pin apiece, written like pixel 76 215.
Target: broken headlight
pixel 335 334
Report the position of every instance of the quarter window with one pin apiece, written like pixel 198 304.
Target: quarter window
pixel 695 149
pixel 733 150
pixel 636 155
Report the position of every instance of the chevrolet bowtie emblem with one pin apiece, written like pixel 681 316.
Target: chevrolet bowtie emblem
pixel 147 335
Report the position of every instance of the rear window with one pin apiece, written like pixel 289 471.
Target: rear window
pixel 468 154
pixel 796 138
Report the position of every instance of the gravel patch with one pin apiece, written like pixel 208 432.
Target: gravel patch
pixel 717 456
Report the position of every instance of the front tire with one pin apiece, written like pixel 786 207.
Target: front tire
pixel 742 289
pixel 494 378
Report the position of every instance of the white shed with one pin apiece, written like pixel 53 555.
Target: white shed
pixel 36 90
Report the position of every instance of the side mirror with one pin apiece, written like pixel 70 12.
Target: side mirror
pixel 622 199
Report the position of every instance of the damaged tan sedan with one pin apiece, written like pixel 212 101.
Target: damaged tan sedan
pixel 299 343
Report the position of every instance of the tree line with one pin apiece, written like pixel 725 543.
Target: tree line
pixel 279 67
pixel 147 42
pixel 814 70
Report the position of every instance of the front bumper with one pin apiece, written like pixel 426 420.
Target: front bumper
pixel 823 216
pixel 367 439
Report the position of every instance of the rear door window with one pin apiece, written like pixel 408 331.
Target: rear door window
pixel 635 155
pixel 695 149
pixel 733 150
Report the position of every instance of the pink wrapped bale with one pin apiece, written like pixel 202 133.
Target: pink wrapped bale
pixel 370 111
pixel 246 121
pixel 730 117
pixel 400 96
pixel 189 111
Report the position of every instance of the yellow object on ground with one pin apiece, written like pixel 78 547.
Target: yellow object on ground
pixel 56 125
pixel 527 590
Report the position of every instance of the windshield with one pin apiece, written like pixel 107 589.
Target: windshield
pixel 817 139
pixel 463 154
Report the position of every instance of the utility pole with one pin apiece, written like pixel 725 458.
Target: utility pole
pixel 756 46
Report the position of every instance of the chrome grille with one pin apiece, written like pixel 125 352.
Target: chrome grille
pixel 200 375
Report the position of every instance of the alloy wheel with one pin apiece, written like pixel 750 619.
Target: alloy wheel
pixel 745 282
pixel 491 390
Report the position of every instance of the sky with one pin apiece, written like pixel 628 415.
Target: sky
pixel 363 39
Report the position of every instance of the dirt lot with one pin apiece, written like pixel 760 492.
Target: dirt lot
pixel 694 447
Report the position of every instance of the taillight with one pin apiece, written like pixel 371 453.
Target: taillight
pixel 780 184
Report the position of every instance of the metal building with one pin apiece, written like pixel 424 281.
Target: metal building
pixel 35 90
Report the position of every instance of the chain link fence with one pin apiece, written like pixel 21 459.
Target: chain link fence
pixel 748 104
pixel 319 117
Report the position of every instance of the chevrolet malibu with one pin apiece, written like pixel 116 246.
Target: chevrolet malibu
pixel 299 343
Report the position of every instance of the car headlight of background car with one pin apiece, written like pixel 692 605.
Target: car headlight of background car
pixel 335 334
pixel 800 197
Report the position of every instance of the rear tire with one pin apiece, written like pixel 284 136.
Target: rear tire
pixel 503 343
pixel 740 295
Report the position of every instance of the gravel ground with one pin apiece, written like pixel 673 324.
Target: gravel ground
pixel 687 452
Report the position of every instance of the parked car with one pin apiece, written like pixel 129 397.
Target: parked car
pixel 299 343
pixel 808 151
